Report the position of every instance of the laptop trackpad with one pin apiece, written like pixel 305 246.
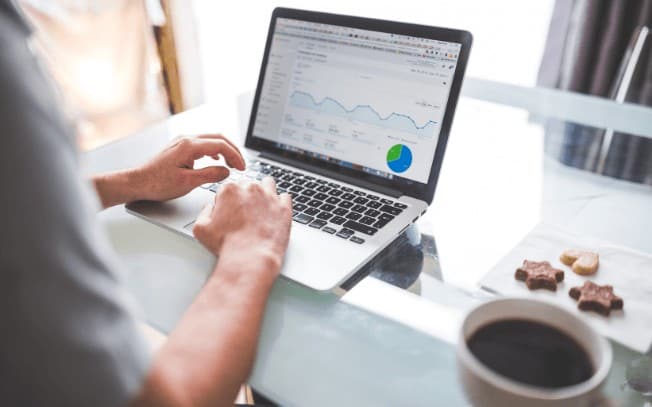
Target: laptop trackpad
pixel 175 214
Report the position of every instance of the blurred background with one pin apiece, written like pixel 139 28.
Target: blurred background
pixel 124 64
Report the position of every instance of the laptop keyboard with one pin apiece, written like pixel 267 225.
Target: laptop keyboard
pixel 345 212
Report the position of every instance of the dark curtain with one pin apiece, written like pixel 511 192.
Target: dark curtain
pixel 585 49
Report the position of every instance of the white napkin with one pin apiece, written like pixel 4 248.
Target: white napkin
pixel 628 271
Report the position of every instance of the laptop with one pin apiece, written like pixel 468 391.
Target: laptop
pixel 351 117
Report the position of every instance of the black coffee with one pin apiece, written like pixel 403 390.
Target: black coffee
pixel 532 353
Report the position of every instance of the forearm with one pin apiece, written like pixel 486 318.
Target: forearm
pixel 210 354
pixel 117 187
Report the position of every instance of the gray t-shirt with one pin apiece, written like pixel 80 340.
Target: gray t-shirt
pixel 69 336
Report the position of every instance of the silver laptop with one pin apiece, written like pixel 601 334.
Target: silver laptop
pixel 351 117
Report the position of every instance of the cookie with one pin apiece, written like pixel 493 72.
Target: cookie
pixel 582 262
pixel 597 298
pixel 539 274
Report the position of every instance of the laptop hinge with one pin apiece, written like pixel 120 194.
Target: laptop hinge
pixel 332 174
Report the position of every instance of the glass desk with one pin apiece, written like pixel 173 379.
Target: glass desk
pixel 375 343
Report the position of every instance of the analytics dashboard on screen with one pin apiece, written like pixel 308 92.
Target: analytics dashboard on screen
pixel 363 99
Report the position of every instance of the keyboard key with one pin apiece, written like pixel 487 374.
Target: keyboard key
pixel 303 218
pixel 327 207
pixel 344 233
pixel 345 204
pixel 288 178
pixel 359 227
pixel 317 223
pixel 324 215
pixel 299 181
pixel 386 201
pixel 372 197
pixel 299 207
pixel 321 181
pixel 380 223
pixel 347 189
pixel 372 212
pixel 366 220
pixel 311 184
pixel 338 220
pixel 302 199
pixel 328 230
pixel 308 192
pixel 284 184
pixel 391 210
pixel 340 211
pixel 332 200
pixel 359 193
pixel 359 208
pixel 311 211
pixel 296 188
pixel 386 216
pixel 314 203
pixel 309 178
pixel 323 188
pixel 321 196
pixel 357 240
pixel 333 185
pixel 400 205
pixel 360 200
pixel 374 204
pixel 335 192
pixel 348 196
pixel 354 215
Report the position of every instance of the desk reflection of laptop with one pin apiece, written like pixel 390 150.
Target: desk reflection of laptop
pixel 351 117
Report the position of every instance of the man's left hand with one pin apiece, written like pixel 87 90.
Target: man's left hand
pixel 171 173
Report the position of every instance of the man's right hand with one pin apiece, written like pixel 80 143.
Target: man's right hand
pixel 211 351
pixel 249 221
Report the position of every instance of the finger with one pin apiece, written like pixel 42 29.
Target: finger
pixel 204 216
pixel 208 174
pixel 269 185
pixel 221 137
pixel 203 147
pixel 285 199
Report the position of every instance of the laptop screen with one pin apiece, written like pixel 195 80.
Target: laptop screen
pixel 366 100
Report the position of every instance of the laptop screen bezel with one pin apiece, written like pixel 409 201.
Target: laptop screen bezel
pixel 405 186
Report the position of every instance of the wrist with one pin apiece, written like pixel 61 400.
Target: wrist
pixel 239 253
pixel 118 187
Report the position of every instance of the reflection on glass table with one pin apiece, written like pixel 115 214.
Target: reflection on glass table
pixel 496 185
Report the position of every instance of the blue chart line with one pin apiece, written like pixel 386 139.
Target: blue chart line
pixel 363 113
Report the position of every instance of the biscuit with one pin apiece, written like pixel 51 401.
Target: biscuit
pixel 539 274
pixel 597 298
pixel 582 262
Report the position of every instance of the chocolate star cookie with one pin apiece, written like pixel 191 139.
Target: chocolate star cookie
pixel 597 298
pixel 539 274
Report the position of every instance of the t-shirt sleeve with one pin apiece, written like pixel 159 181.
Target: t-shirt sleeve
pixel 69 334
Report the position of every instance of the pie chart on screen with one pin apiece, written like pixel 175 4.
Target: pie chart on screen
pixel 399 158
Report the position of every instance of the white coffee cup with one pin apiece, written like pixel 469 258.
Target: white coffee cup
pixel 484 387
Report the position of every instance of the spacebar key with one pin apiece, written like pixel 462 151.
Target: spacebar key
pixel 359 227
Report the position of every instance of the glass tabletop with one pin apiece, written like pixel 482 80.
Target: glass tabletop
pixel 502 175
pixel 508 170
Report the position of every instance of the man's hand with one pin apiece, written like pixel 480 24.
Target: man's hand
pixel 211 351
pixel 171 173
pixel 247 218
